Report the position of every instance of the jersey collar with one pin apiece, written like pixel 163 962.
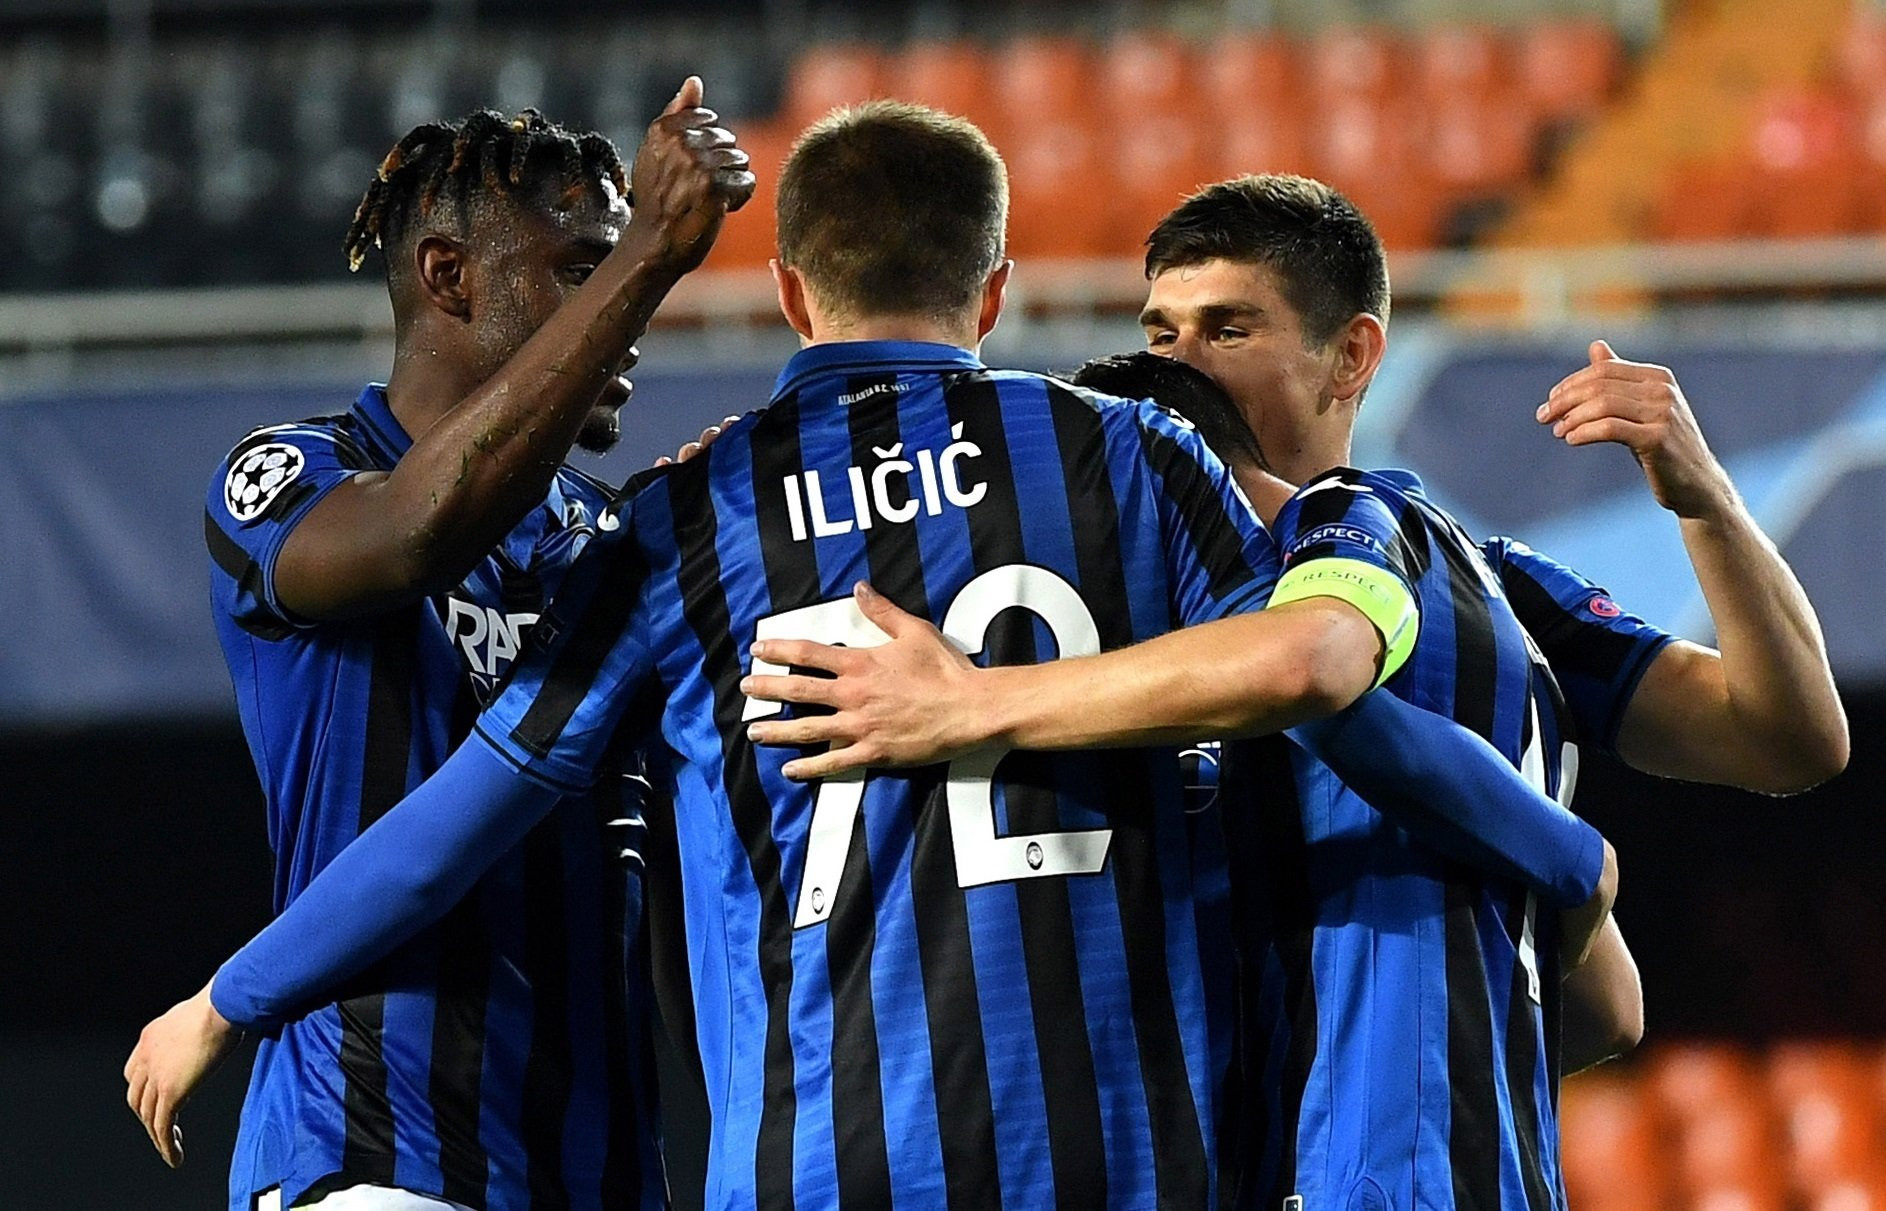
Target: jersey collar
pixel 1407 481
pixel 382 428
pixel 849 357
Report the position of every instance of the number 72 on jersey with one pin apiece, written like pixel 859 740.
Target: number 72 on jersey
pixel 982 856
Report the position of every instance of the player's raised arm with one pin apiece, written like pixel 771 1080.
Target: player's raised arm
pixel 380 539
pixel 1762 712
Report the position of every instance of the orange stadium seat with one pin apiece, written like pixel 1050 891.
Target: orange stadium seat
pixel 1354 61
pixel 1802 130
pixel 1610 1147
pixel 1567 69
pixel 1154 164
pixel 1829 200
pixel 1266 139
pixel 824 77
pixel 1706 202
pixel 1833 1137
pixel 1863 57
pixel 1248 73
pixel 1685 1079
pixel 1041 79
pixel 1060 193
pixel 1144 75
pixel 1357 139
pixel 1730 1145
pixel 1454 62
pixel 1479 145
pixel 951 76
pixel 1861 1194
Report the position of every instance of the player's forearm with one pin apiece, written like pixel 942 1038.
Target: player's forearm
pixel 1766 716
pixel 1457 794
pixel 399 876
pixel 1242 676
pixel 1603 1004
pixel 468 480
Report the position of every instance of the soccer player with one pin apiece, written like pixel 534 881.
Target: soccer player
pixel 374 574
pixel 976 983
pixel 1278 288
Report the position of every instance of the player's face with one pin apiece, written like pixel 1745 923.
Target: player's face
pixel 547 257
pixel 1231 320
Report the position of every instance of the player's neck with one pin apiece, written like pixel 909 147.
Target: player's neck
pixel 423 388
pixel 894 328
pixel 1266 492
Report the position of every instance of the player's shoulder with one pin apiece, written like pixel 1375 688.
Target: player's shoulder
pixel 592 490
pixel 270 461
pixel 1391 487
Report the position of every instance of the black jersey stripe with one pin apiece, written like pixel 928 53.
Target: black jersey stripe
pixel 704 605
pixel 606 613
pixel 863 1155
pixel 1181 1173
pixel 236 564
pixel 959 1064
pixel 1070 1087
pixel 1268 836
pixel 1522 1058
pixel 1213 534
pixel 368 1150
pixel 1473 1095
pixel 548 1074
pixel 1572 646
pixel 463 981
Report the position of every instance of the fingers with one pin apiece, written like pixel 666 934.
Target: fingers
pixel 817 691
pixel 817 729
pixel 1610 429
pixel 165 1133
pixel 803 653
pixel 826 765
pixel 689 96
pixel 1637 410
pixel 1600 351
pixel 1576 391
pixel 882 611
pixel 735 186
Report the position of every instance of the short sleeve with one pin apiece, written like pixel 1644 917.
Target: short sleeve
pixel 586 662
pixel 1220 559
pixel 1341 536
pixel 259 494
pixel 1598 651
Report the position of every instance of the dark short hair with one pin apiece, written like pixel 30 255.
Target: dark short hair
pixel 1179 388
pixel 889 208
pixel 1328 260
pixel 441 174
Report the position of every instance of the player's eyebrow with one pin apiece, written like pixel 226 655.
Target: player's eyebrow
pixel 1210 313
pixel 1153 317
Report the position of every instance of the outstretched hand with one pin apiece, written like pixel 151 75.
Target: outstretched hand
pixel 174 1053
pixel 689 174
pixel 1640 406
pixel 910 701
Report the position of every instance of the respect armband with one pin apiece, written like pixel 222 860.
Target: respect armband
pixel 1380 594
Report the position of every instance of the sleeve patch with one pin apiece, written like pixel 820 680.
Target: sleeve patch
pixel 1334 532
pixel 1604 607
pixel 258 477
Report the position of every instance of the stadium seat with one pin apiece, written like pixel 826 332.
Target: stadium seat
pixel 1144 75
pixel 1043 79
pixel 825 76
pixel 951 76
pixel 1833 1137
pixel 1863 57
pixel 1828 200
pixel 1861 1194
pixel 1685 1079
pixel 1356 139
pixel 1567 69
pixel 1794 130
pixel 1248 74
pixel 1706 202
pixel 1610 1145
pixel 1730 1145
pixel 1479 144
pixel 1060 193
pixel 1154 163
pixel 1272 139
pixel 1460 61
pixel 1353 61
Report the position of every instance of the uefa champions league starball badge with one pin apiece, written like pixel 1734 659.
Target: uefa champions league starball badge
pixel 258 477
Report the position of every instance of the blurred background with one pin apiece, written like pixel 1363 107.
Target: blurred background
pixel 1702 182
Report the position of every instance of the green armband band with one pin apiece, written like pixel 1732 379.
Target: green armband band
pixel 1380 594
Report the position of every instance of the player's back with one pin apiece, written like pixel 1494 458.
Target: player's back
pixel 973 985
pixel 1399 1037
pixel 492 1058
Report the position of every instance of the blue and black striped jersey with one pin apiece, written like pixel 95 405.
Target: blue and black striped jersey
pixel 972 985
pixel 1398 1029
pixel 495 1059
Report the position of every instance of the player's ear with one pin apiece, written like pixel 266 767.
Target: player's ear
pixel 1360 347
pixel 790 285
pixel 439 267
pixel 994 295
